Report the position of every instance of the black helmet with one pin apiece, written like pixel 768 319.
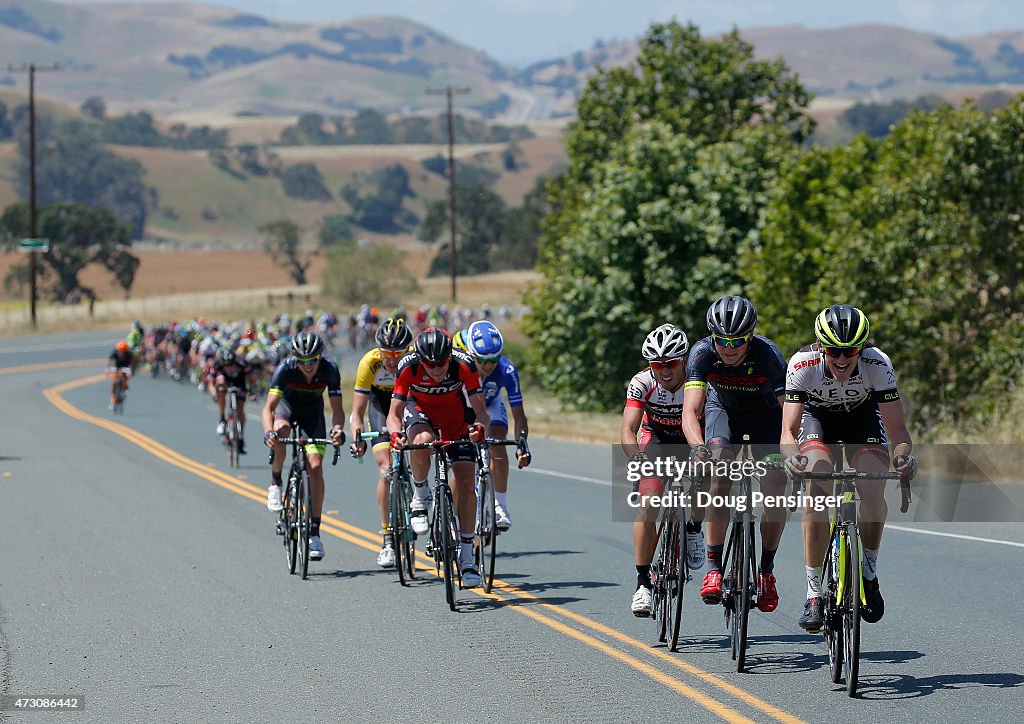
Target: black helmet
pixel 433 344
pixel 842 325
pixel 226 356
pixel 307 344
pixel 393 334
pixel 731 317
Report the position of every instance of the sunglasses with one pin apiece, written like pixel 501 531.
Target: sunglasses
pixel 730 342
pixel 837 352
pixel 307 360
pixel 667 365
pixel 435 365
pixel 388 354
pixel 489 360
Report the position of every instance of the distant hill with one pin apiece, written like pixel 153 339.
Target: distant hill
pixel 186 59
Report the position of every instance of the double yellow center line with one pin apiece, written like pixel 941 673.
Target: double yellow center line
pixel 576 626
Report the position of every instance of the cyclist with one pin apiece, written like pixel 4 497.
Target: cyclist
pixel 485 346
pixel 737 379
pixel 653 414
pixel 229 371
pixel 296 397
pixel 121 357
pixel 843 388
pixel 375 381
pixel 432 389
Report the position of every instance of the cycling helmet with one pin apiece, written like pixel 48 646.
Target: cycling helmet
pixel 461 341
pixel 307 344
pixel 485 340
pixel 393 334
pixel 122 346
pixel 842 325
pixel 433 344
pixel 226 356
pixel 732 317
pixel 666 342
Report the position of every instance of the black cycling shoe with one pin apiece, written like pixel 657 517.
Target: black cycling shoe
pixel 241 447
pixel 874 607
pixel 812 619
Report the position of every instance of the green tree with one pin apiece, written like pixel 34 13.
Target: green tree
pixel 281 243
pixel 381 209
pixel 922 230
pixel 335 231
pixel 481 218
pixel 79 235
pixel 94 107
pixel 669 165
pixel 370 272
pixel 304 181
pixel 520 240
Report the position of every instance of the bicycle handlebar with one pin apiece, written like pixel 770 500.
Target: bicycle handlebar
pixel 905 494
pixel 292 440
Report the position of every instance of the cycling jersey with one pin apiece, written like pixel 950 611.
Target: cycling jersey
pixel 663 409
pixel 444 403
pixel 235 380
pixel 504 376
pixel 809 381
pixel 754 384
pixel 290 382
pixel 374 380
pixel 119 359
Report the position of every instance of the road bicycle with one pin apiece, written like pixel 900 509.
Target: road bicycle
pixel 121 387
pixel 842 576
pixel 399 496
pixel 294 519
pixel 232 426
pixel 443 539
pixel 486 534
pixel 739 561
pixel 669 570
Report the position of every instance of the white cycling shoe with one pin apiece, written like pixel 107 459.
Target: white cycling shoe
pixel 696 550
pixel 418 515
pixel 316 548
pixel 221 427
pixel 643 602
pixel 502 521
pixel 274 504
pixel 386 557
pixel 470 576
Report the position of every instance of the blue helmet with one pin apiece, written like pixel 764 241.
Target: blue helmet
pixel 485 340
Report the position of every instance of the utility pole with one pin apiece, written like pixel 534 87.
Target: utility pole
pixel 449 91
pixel 33 257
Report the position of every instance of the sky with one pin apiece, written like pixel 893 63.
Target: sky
pixel 520 32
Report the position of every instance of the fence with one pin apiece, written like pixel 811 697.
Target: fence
pixel 156 308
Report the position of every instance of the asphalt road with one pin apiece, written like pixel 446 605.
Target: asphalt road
pixel 140 573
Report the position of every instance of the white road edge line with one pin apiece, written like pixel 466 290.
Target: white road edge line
pixel 905 529
pixel 553 473
pixel 955 535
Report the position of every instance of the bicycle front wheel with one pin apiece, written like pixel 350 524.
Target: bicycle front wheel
pixel 399 528
pixel 744 582
pixel 486 532
pixel 304 515
pixel 851 612
pixel 831 608
pixel 290 519
pixel 449 546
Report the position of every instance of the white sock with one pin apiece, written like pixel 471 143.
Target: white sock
pixel 502 499
pixel 813 581
pixel 466 550
pixel 420 490
pixel 870 566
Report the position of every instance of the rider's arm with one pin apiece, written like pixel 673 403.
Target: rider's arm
pixel 521 426
pixel 631 419
pixel 267 416
pixel 355 420
pixel 694 395
pixel 792 412
pixel 895 421
pixel 476 400
pixel 337 411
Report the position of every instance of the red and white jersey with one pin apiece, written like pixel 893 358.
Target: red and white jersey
pixel 663 409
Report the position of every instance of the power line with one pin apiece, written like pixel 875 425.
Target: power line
pixel 449 91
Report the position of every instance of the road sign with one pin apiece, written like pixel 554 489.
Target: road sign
pixel 42 245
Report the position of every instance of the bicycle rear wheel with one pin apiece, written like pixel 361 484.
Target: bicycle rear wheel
pixel 303 523
pixel 486 532
pixel 851 612
pixel 659 579
pixel 449 546
pixel 398 526
pixel 289 516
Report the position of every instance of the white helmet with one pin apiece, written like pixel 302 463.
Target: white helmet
pixel 666 342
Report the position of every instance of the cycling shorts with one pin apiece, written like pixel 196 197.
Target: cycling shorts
pixel 457 453
pixel 310 421
pixel 862 430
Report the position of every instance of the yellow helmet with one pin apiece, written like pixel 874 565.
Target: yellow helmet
pixel 461 341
